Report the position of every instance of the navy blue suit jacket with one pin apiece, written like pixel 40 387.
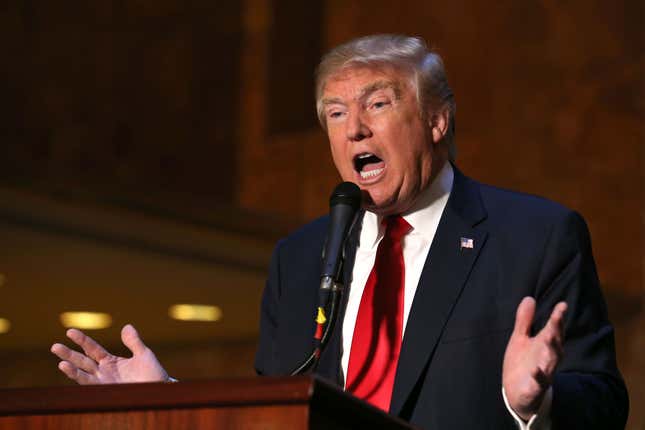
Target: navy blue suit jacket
pixel 450 368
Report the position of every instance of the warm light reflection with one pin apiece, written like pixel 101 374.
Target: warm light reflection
pixel 86 320
pixel 5 325
pixel 186 312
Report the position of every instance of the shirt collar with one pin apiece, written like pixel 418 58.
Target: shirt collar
pixel 423 216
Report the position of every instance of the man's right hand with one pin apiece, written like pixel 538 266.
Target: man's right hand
pixel 98 366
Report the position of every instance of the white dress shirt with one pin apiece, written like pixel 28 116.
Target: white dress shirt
pixel 424 218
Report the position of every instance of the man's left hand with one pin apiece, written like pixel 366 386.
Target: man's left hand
pixel 530 362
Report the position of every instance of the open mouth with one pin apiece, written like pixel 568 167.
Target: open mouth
pixel 368 165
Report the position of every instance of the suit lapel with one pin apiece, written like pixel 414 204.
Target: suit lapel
pixel 446 270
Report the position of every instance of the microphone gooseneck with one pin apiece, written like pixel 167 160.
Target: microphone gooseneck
pixel 344 204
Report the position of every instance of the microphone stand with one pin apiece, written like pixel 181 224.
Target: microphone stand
pixel 343 213
pixel 330 292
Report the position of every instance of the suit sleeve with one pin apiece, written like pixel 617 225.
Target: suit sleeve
pixel 265 358
pixel 588 391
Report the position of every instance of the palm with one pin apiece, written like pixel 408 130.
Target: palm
pixel 524 372
pixel 98 366
pixel 530 362
pixel 115 370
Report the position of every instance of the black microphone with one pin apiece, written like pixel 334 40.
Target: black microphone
pixel 344 203
pixel 343 210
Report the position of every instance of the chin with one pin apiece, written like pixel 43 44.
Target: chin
pixel 379 204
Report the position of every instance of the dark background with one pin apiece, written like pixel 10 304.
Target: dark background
pixel 151 152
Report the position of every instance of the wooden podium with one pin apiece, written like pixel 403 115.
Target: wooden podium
pixel 255 403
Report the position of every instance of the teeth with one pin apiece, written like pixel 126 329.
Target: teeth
pixel 365 155
pixel 371 173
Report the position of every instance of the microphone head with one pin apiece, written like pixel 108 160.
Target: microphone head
pixel 346 193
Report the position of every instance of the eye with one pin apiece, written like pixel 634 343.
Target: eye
pixel 379 104
pixel 335 114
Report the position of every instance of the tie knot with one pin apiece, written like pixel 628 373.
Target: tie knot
pixel 396 227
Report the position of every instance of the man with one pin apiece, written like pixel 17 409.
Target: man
pixel 468 306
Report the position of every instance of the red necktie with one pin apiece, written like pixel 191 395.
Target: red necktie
pixel 376 343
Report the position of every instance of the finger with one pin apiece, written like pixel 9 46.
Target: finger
pixel 76 374
pixel 557 317
pixel 557 348
pixel 550 356
pixel 554 328
pixel 132 340
pixel 524 316
pixel 91 348
pixel 551 337
pixel 75 358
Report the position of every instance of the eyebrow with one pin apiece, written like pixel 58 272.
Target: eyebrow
pixel 381 85
pixel 368 90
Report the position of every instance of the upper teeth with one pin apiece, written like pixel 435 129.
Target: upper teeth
pixel 365 155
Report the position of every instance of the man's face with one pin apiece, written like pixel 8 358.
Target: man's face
pixel 379 139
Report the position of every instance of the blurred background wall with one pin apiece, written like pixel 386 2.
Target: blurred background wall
pixel 152 152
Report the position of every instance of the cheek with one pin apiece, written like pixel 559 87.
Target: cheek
pixel 338 153
pixel 407 153
pixel 338 163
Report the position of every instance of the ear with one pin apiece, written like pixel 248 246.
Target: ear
pixel 438 121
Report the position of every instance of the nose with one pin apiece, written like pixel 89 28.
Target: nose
pixel 357 129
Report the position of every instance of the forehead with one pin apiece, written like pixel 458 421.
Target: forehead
pixel 355 81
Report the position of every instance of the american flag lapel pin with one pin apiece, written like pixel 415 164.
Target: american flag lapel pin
pixel 466 242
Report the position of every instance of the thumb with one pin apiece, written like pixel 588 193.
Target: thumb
pixel 132 340
pixel 524 316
